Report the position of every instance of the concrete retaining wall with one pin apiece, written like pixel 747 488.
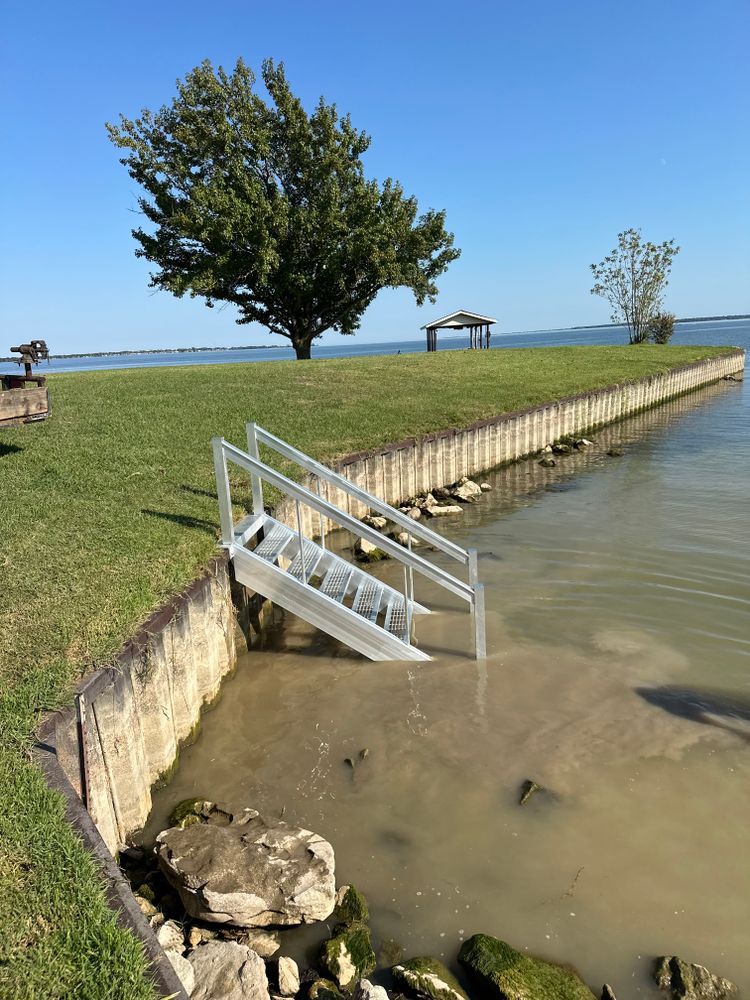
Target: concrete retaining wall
pixel 414 466
pixel 138 711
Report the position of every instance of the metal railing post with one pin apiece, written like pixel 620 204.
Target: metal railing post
pixel 301 539
pixel 322 518
pixel 256 482
pixel 477 608
pixel 410 592
pixel 223 491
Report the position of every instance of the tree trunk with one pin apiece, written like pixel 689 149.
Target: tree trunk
pixel 302 347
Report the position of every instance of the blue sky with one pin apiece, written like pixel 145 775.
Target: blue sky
pixel 543 128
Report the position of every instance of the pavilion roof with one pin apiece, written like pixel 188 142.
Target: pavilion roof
pixel 459 319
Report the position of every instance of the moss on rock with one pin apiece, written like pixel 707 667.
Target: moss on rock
pixel 428 978
pixel 351 906
pixel 188 811
pixel 507 974
pixel 348 955
pixel 324 989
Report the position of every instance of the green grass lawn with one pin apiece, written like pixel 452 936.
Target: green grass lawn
pixel 108 508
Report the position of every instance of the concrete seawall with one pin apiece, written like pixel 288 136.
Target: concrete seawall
pixel 124 734
pixel 414 466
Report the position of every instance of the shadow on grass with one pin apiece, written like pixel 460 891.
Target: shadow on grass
pixel 9 449
pixel 197 492
pixel 184 520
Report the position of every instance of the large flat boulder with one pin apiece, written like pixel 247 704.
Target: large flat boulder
pixel 249 873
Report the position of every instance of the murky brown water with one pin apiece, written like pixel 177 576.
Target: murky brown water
pixel 618 600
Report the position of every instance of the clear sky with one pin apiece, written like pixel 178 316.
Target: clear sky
pixel 543 128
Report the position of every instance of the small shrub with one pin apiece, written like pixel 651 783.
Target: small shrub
pixel 661 328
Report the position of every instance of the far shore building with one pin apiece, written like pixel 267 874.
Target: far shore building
pixel 477 325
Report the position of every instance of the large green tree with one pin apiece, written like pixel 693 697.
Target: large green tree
pixel 258 203
pixel 633 277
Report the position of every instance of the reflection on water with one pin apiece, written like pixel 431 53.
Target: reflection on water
pixel 618 598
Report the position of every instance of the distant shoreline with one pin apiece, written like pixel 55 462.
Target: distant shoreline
pixel 282 347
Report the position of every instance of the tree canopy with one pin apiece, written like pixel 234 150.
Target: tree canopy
pixel 633 277
pixel 260 204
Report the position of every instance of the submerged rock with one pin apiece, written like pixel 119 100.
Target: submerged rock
pixel 225 970
pixel 507 974
pixel 615 452
pixel 435 511
pixel 428 978
pixel 324 989
pixel 561 449
pixel 607 993
pixel 414 513
pixel 547 462
pixel 190 811
pixel 250 873
pixel 366 551
pixel 683 981
pixel 527 790
pixel 485 487
pixel 348 955
pixel 468 491
pixel 351 907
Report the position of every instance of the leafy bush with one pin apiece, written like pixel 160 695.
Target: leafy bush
pixel 660 329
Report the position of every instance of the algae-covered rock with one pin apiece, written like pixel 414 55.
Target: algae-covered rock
pixel 684 981
pixel 507 974
pixel 348 955
pixel 365 551
pixel 324 989
pixel 189 811
pixel 528 787
pixel 351 907
pixel 428 978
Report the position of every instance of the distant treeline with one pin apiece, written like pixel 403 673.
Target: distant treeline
pixel 162 350
pixel 682 319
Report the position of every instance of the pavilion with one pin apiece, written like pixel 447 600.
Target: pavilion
pixel 478 327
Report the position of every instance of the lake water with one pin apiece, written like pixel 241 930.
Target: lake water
pixel 686 333
pixel 618 677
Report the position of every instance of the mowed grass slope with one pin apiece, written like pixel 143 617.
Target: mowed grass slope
pixel 109 508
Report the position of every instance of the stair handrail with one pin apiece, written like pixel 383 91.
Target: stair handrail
pixel 257 434
pixel 223 450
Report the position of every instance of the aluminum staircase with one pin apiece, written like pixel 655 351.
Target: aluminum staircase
pixel 305 577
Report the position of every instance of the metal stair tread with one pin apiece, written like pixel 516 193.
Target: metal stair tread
pixel 276 539
pixel 336 581
pixel 367 599
pixel 395 617
pixel 309 557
